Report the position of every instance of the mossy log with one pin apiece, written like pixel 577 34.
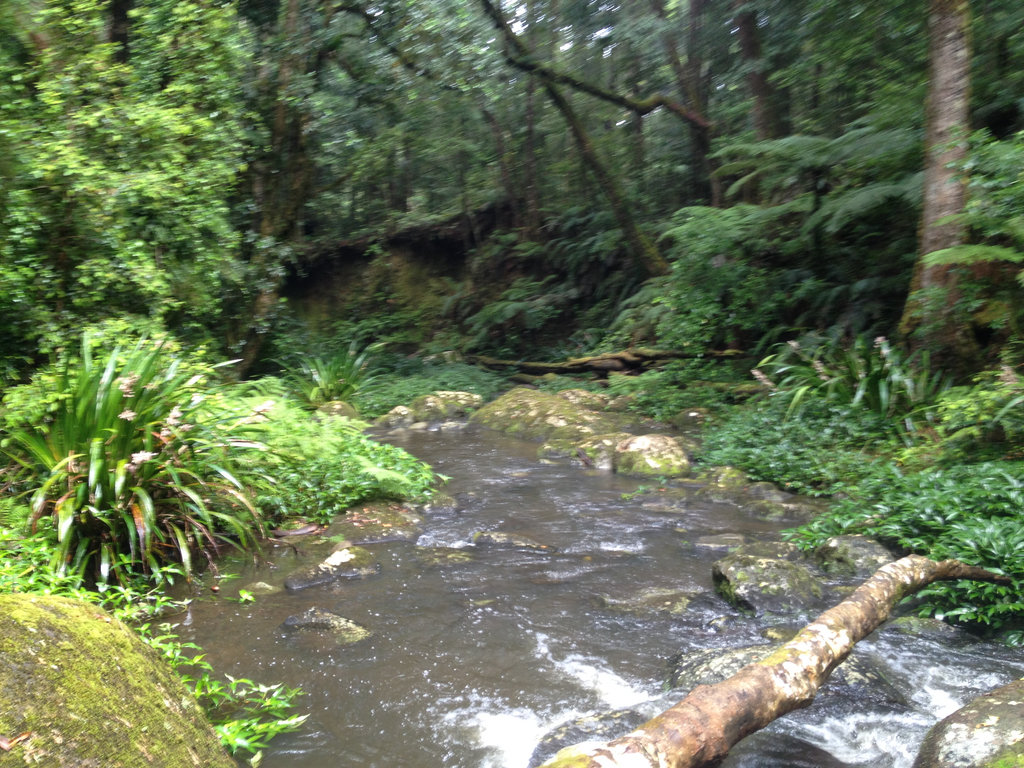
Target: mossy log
pixel 700 730
pixel 627 361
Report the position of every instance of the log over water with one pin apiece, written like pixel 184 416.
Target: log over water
pixel 699 731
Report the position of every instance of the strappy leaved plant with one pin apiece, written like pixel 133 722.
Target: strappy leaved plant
pixel 870 374
pixel 125 468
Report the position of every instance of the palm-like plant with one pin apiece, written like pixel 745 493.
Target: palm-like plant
pixel 125 469
pixel 320 379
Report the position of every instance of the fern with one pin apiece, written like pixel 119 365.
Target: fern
pixel 843 208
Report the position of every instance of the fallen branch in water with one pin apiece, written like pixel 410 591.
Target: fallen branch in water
pixel 699 731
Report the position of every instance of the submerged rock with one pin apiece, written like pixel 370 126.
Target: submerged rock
pixel 649 601
pixel 345 631
pixel 724 541
pixel 601 727
pixel 511 540
pixel 431 557
pixel 345 562
pixel 766 577
pixel 987 733
pixel 89 692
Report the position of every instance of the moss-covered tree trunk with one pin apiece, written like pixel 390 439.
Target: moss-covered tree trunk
pixel 700 730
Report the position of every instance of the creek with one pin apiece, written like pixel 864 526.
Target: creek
pixel 474 658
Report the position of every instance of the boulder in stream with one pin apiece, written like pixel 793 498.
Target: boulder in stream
pixel 537 415
pixel 86 691
pixel 767 577
pixel 441 406
pixel 852 556
pixel 345 562
pixel 987 733
pixel 651 456
pixel 345 631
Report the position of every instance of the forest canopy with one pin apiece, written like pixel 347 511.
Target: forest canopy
pixel 758 169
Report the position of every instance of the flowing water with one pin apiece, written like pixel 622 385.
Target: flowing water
pixel 473 660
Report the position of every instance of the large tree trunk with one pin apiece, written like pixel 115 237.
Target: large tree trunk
pixel 700 730
pixel 933 316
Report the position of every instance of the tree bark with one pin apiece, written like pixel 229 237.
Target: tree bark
pixel 766 123
pixel 699 731
pixel 932 315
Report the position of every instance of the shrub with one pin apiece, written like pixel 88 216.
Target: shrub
pixel 820 453
pixel 123 465
pixel 969 512
pixel 298 466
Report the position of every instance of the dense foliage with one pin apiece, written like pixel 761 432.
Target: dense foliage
pixel 337 197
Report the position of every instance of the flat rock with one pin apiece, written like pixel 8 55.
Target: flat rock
pixel 376 522
pixel 510 540
pixel 344 562
pixel 538 415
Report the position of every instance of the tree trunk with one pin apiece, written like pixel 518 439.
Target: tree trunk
pixel 766 123
pixel 932 316
pixel 699 731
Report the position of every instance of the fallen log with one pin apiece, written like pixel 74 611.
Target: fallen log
pixel 699 731
pixel 633 360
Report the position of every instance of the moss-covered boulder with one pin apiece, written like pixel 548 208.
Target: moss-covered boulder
pixel 344 562
pixel 537 415
pixel 339 409
pixel 651 456
pixel 443 405
pixel 767 577
pixel 987 733
pixel 600 451
pixel 852 556
pixel 89 693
